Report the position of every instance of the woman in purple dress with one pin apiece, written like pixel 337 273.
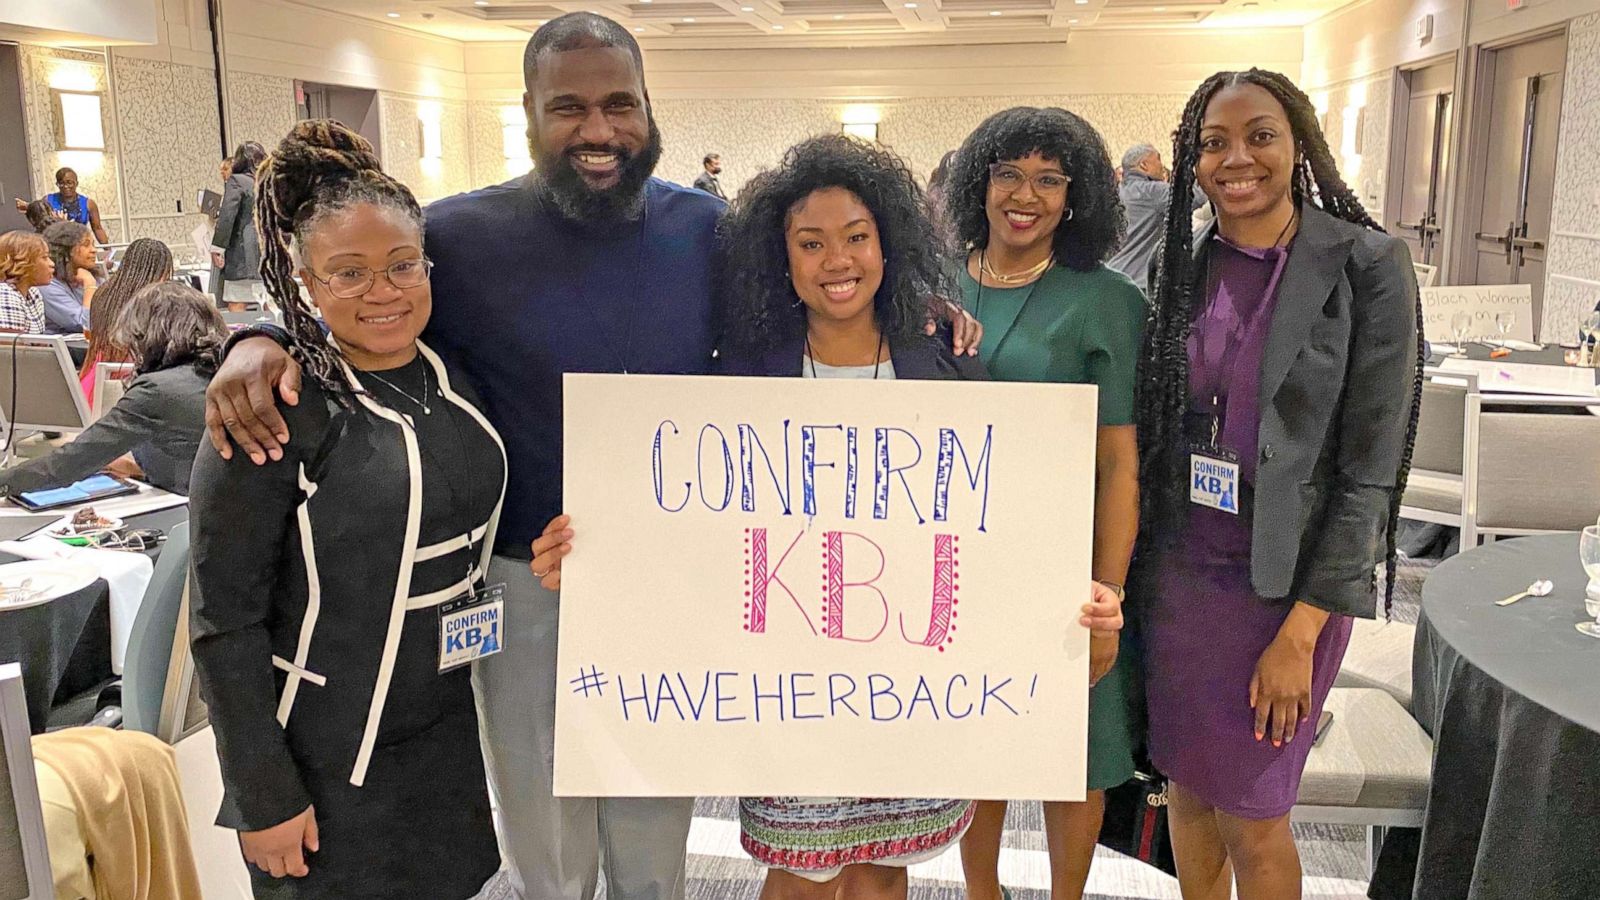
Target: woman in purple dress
pixel 1277 408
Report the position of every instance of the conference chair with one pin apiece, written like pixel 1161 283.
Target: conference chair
pixel 1371 768
pixel 183 712
pixel 152 640
pixel 110 383
pixel 39 389
pixel 1442 478
pixel 24 856
pixel 1427 275
pixel 1535 464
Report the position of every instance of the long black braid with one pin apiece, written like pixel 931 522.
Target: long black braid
pixel 147 261
pixel 1163 384
pixel 321 167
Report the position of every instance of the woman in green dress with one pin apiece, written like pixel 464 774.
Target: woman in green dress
pixel 1033 199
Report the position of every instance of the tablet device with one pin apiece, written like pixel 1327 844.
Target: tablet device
pixel 95 487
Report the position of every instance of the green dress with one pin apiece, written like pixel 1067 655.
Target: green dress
pixel 1076 328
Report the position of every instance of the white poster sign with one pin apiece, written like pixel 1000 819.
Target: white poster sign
pixel 1482 302
pixel 783 586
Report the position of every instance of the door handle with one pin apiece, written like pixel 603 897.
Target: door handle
pixel 1410 226
pixel 1523 243
pixel 1504 240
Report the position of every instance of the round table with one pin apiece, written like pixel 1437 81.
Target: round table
pixel 64 646
pixel 1512 697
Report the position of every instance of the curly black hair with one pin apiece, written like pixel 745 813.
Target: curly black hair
pixel 758 299
pixel 1163 382
pixel 1098 223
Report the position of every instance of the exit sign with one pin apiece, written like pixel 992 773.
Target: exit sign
pixel 1515 4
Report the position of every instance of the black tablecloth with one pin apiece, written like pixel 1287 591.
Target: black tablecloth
pixel 64 646
pixel 1512 698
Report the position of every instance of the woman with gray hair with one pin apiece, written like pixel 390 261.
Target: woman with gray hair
pixel 173 333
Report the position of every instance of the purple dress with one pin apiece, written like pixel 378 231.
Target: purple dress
pixel 1205 629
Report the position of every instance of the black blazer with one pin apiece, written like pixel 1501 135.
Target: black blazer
pixel 235 232
pixel 1336 392
pixel 916 357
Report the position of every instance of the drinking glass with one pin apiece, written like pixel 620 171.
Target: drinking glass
pixel 1460 324
pixel 1589 555
pixel 1589 330
pixel 1503 323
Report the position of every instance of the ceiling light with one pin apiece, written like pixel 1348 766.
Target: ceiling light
pixel 777 28
pixel 480 2
pixel 638 31
pixel 837 18
pixel 689 20
pixel 747 9
pixel 1072 21
pixel 911 6
pixel 394 15
pixel 995 12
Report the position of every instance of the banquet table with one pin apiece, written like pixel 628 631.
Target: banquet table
pixel 64 645
pixel 1511 696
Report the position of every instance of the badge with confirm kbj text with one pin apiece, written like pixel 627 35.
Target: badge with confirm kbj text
pixel 1214 479
pixel 471 627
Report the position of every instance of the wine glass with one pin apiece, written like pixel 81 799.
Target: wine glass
pixel 1460 324
pixel 1503 323
pixel 1589 555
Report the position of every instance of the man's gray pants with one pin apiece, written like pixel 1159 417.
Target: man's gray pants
pixel 555 847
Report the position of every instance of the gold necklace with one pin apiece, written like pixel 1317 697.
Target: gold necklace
pixel 1026 275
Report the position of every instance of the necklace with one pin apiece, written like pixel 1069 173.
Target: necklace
pixel 423 402
pixel 1027 274
pixel 877 357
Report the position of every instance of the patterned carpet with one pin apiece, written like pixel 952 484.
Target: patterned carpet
pixel 1333 857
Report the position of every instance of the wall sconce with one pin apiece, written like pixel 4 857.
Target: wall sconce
pixel 430 139
pixel 860 120
pixel 77 120
pixel 514 134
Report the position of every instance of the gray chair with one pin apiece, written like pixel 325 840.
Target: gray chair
pixel 1372 768
pixel 1536 465
pixel 1439 489
pixel 24 856
pixel 1379 656
pixel 110 383
pixel 150 643
pixel 39 371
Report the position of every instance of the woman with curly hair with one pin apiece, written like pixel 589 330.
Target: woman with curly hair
pixel 1033 199
pixel 1277 408
pixel 831 271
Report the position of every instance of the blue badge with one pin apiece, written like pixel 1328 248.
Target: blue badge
pixel 471 627
pixel 1214 482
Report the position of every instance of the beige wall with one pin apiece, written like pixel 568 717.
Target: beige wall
pixel 1375 36
pixel 52 21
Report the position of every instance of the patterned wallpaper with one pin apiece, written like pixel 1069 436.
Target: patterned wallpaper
pixel 402 151
pixel 262 108
pixel 42 69
pixel 486 147
pixel 171 150
pixel 1365 166
pixel 752 134
pixel 1573 265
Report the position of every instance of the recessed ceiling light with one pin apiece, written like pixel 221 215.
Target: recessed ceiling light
pixel 638 31
pixel 747 9
pixel 911 6
pixel 1072 21
pixel 1081 2
pixel 995 12
pixel 689 20
pixel 394 15
pixel 480 2
pixel 777 28
pixel 837 18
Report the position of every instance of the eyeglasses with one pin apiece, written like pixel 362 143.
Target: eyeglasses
pixel 133 540
pixel 1009 179
pixel 351 282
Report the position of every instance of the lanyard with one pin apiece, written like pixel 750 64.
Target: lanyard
pixel 1224 374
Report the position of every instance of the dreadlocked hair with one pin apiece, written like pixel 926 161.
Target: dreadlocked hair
pixel 1163 381
pixel 321 167
pixel 147 261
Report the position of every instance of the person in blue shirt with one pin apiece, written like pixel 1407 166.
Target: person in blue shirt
pixel 598 267
pixel 71 205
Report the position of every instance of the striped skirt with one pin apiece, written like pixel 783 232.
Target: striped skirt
pixel 816 837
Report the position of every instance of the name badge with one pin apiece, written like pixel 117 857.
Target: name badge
pixel 1214 481
pixel 471 627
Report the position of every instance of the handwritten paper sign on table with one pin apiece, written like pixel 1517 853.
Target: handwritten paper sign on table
pixel 783 586
pixel 1481 301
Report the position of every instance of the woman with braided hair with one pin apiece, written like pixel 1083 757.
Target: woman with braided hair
pixel 340 587
pixel 147 261
pixel 1276 410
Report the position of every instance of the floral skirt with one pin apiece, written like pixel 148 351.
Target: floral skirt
pixel 816 837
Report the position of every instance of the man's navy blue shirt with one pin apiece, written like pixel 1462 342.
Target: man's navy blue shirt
pixel 521 296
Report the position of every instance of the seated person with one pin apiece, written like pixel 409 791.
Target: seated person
pixel 147 261
pixel 42 215
pixel 173 333
pixel 69 294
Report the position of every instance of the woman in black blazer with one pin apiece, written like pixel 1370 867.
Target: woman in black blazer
pixel 235 248
pixel 1276 412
